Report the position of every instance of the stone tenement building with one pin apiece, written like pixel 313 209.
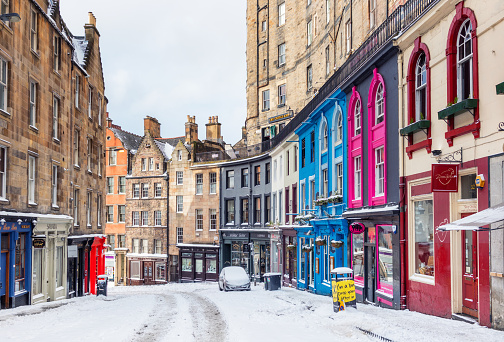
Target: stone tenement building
pixel 293 48
pixel 194 205
pixel 52 136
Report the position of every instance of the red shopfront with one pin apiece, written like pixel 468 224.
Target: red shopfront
pixel 446 273
pixel 97 261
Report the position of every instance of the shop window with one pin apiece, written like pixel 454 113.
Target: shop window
pixel 468 187
pixel 187 265
pixel 135 269
pixel 198 263
pixel 160 271
pixel 424 237
pixel 211 263
pixel 240 252
pixel 20 263
pixel 37 271
pixel 385 259
pixel 59 266
pixel 358 258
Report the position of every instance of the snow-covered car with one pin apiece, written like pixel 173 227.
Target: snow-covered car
pixel 234 278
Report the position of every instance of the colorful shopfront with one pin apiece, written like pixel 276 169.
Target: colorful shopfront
pixel 146 269
pixel 15 261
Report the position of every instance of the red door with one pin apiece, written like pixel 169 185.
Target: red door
pixel 469 272
pixel 147 274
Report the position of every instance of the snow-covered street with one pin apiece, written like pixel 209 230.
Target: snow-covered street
pixel 200 312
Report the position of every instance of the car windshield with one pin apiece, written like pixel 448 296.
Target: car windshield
pixel 235 273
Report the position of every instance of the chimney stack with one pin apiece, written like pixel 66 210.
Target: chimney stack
pixel 191 129
pixel 92 33
pixel 152 126
pixel 213 129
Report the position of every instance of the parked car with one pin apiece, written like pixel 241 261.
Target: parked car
pixel 234 278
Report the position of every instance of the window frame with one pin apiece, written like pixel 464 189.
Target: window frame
pixel 121 213
pixel 158 220
pixel 55 117
pixel 158 190
pixel 199 184
pixel 121 185
pixel 213 183
pixel 309 32
pixel 198 214
pixel 109 214
pixel 54 187
pixel 179 203
pixel 180 177
pixel 180 235
pixel 229 213
pixel 282 94
pixel 33 104
pixel 212 214
pixel 265 100
pixel 110 185
pixel 281 54
pixel 4 84
pixel 33 30
pixel 32 176
pixel 281 14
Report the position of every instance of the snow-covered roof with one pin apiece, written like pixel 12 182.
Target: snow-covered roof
pixel 80 44
pixel 146 255
pixel 341 270
pixel 130 141
pixel 85 236
pixel 371 211
pixel 35 215
pixel 165 148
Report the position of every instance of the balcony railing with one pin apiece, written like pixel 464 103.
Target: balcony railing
pixel 397 22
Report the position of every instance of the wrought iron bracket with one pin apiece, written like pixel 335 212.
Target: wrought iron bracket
pixel 501 126
pixel 454 157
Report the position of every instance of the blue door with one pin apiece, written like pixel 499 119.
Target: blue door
pixel 3 271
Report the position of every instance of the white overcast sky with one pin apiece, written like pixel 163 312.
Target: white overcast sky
pixel 169 59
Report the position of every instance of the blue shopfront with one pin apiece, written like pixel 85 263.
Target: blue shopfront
pixel 323 241
pixel 15 262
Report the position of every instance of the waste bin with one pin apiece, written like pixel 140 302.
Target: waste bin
pixel 272 281
pixel 102 285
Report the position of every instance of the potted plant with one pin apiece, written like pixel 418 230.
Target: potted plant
pixel 307 248
pixel 291 247
pixel 336 244
pixel 319 241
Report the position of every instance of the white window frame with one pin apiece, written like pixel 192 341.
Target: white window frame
pixel 135 218
pixel 136 250
pixel 144 164
pixel 88 209
pixel 56 54
pixel 32 174
pixel 180 177
pixel 465 59
pixel 33 30
pixel 76 147
pixel 281 54
pixel 54 186
pixel 90 102
pixel 158 190
pixel 144 188
pixel 372 13
pixel 281 14
pixel 121 186
pixel 157 218
pixel 199 184
pixel 325 183
pixel 112 157
pixel 328 60
pixel 339 127
pixel 348 28
pixel 89 155
pixel 199 219
pixel 357 118
pixel 328 11
pixel 151 164
pixel 309 32
pixel 110 185
pixel 144 217
pixel 379 171
pixel 33 104
pixel 77 90
pixel 98 161
pixel 121 213
pixel 420 86
pixel 180 204
pixel 4 83
pixel 379 104
pixel 266 100
pixel 76 208
pixel 213 219
pixel 110 214
pixel 157 250
pixel 100 119
pixel 55 118
pixel 180 235
pixel 357 160
pixel 339 178
pixel 99 210
pixel 144 246
pixel 136 190
pixel 213 183
pixel 282 94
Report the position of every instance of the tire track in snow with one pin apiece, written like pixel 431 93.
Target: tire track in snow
pixel 207 320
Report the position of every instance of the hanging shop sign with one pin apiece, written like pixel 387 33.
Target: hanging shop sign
pixel 444 177
pixel 357 228
pixel 280 117
pixel 38 243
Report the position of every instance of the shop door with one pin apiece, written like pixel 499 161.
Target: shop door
pixel 469 272
pixel 3 272
pixel 370 264
pixel 147 273
pixel 198 267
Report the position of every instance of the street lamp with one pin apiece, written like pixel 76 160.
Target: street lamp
pixel 12 17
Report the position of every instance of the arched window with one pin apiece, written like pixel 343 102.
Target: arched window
pixel 464 62
pixel 339 127
pixel 357 118
pixel 324 136
pixel 420 88
pixel 379 105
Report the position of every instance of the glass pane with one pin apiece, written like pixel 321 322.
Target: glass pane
pixel 468 244
pixel 468 186
pixel 199 265
pixel 424 237
pixel 385 258
pixel 186 265
pixel 358 255
pixel 211 266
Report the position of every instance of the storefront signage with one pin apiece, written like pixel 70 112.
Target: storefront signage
pixel 345 291
pixel 259 235
pixel 357 228
pixel 38 243
pixel 280 117
pixel 72 251
pixel 234 235
pixel 444 178
pixel 14 226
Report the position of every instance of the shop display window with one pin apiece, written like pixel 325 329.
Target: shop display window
pixel 358 257
pixel 160 271
pixel 135 269
pixel 424 237
pixel 187 262
pixel 20 263
pixel 37 271
pixel 302 260
pixel 240 254
pixel 385 258
pixel 211 264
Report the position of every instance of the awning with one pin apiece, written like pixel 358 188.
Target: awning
pixel 478 220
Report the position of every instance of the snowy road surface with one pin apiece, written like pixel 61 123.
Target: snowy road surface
pixel 200 312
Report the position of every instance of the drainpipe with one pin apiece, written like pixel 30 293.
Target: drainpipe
pixel 167 178
pixel 402 191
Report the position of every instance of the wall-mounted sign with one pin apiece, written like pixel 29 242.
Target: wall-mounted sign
pixel 72 251
pixel 38 243
pixel 444 177
pixel 357 228
pixel 280 117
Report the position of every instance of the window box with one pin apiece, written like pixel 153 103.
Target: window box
pixel 415 127
pixel 457 108
pixel 500 88
pixel 319 241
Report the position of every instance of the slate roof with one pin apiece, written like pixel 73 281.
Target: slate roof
pixel 166 146
pixel 130 141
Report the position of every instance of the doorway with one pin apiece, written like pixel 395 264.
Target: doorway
pixel 147 274
pixel 469 272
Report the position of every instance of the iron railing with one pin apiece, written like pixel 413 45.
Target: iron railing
pixel 398 21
